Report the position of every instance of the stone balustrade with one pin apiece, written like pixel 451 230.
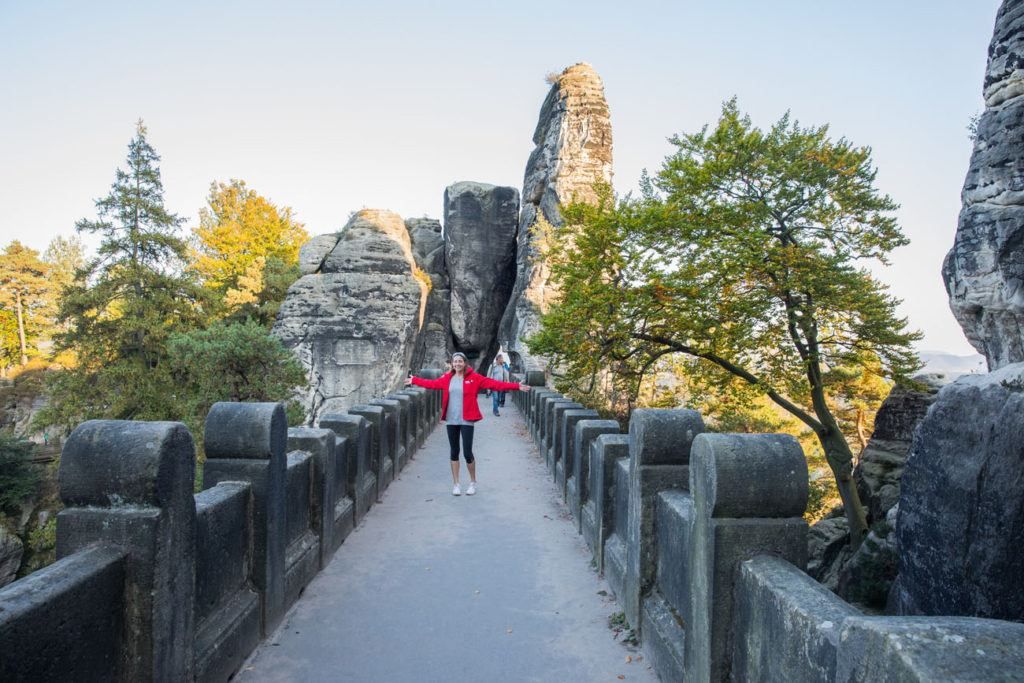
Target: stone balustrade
pixel 155 583
pixel 701 538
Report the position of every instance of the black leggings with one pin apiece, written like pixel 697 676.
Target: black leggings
pixel 467 441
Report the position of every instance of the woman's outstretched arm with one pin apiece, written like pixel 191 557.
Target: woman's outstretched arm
pixel 488 383
pixel 426 383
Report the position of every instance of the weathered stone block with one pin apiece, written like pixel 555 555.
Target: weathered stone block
pixel 567 440
pixel 578 485
pixel 557 432
pixel 302 553
pixel 743 486
pixel 129 484
pixel 607 453
pixel 930 649
pixel 659 454
pixel 227 607
pixel 786 624
pixel 393 409
pixel 361 480
pixel 246 442
pixel 381 463
pixel 64 622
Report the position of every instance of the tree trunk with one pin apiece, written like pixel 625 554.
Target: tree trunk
pixel 21 327
pixel 840 460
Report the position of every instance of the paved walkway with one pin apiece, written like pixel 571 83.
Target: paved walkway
pixel 430 587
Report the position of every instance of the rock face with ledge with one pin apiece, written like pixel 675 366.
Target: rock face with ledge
pixel 960 526
pixel 480 224
pixel 573 151
pixel 353 321
pixel 984 271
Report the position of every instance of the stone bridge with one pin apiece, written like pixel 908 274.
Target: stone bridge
pixel 260 576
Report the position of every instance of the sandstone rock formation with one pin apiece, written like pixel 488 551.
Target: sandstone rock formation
pixel 864 576
pixel 574 151
pixel 960 527
pixel 11 550
pixel 984 271
pixel 881 464
pixel 433 345
pixel 480 224
pixel 353 322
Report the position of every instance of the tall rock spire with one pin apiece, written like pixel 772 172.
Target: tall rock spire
pixel 573 152
pixel 984 271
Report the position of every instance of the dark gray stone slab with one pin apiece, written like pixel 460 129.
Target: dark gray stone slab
pixel 786 624
pixel 255 454
pixel 607 453
pixel 396 450
pixel 361 481
pixel 64 622
pixel 380 458
pixel 659 455
pixel 129 484
pixel 568 444
pixel 302 554
pixel 898 649
pixel 227 607
pixel 324 480
pixel 733 475
pixel 557 427
pixel 583 435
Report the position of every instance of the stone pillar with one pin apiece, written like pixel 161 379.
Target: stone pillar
pixel 578 485
pixel 129 485
pixel 380 455
pixel 361 478
pixel 659 459
pixel 320 444
pixel 417 415
pixel 605 452
pixel 435 395
pixel 247 442
pixel 408 408
pixel 396 450
pixel 554 432
pixel 534 409
pixel 749 494
pixel 566 467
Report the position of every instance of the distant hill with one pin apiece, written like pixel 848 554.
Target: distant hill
pixel 949 364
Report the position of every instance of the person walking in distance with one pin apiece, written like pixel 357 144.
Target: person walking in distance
pixel 460 410
pixel 498 372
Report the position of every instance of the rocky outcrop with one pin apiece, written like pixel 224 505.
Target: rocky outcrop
pixel 433 345
pixel 865 575
pixel 960 527
pixel 353 322
pixel 984 271
pixel 573 152
pixel 11 550
pixel 480 224
pixel 881 463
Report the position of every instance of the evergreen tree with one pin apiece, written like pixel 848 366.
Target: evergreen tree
pixel 132 296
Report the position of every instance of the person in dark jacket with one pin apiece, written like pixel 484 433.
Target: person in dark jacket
pixel 462 385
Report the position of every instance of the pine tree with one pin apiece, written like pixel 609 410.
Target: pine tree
pixel 133 295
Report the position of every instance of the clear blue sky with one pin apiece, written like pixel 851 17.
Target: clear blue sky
pixel 329 108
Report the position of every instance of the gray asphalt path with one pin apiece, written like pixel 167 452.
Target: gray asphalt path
pixel 430 587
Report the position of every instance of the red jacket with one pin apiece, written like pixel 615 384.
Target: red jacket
pixel 472 383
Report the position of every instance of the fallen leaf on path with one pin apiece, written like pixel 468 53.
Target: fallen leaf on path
pixel 508 631
pixel 621 677
pixel 629 659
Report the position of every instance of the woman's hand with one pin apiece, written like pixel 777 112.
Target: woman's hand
pixel 408 381
pixel 524 387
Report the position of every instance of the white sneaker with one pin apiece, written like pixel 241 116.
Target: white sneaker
pixel 456 491
pixel 472 488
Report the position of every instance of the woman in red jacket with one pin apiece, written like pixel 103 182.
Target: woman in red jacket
pixel 462 385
